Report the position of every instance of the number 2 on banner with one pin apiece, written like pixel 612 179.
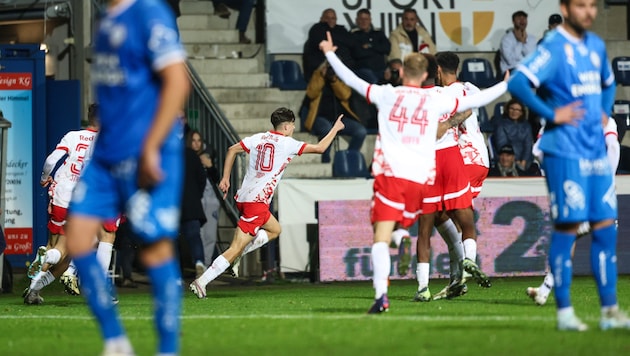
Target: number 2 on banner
pixel 513 259
pixel 264 159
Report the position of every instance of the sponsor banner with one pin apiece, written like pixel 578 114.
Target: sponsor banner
pixel 16 104
pixel 456 25
pixel 513 239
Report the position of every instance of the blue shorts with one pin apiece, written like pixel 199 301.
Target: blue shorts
pixel 580 190
pixel 105 190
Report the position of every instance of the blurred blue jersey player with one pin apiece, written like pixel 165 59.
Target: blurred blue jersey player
pixel 576 90
pixel 141 84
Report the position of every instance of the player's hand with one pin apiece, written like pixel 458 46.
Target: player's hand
pixel 149 171
pixel 339 124
pixel 605 119
pixel 506 76
pixel 570 114
pixel 327 44
pixel 224 185
pixel 46 182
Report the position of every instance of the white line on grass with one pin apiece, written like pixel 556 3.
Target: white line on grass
pixel 393 317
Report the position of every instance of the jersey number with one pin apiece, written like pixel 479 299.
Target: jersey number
pixel 264 159
pixel 419 116
pixel 82 150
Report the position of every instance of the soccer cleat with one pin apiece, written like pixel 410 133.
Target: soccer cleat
pixel 536 296
pixel 380 305
pixel 233 269
pixel 614 319
pixel 423 295
pixel 481 278
pixel 404 256
pixel 570 322
pixel 37 264
pixel 455 289
pixel 197 289
pixel 32 297
pixel 70 283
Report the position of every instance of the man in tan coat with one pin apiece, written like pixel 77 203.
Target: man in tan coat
pixel 410 37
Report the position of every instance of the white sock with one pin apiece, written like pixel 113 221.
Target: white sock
pixel 259 240
pixel 36 279
pixel 72 269
pixel 610 308
pixel 565 312
pixel 52 256
pixel 398 235
pixel 45 279
pixel 547 284
pixel 422 274
pixel 219 265
pixel 470 249
pixel 104 254
pixel 453 239
pixel 381 263
pixel 119 345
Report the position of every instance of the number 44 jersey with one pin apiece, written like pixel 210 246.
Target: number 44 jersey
pixel 269 155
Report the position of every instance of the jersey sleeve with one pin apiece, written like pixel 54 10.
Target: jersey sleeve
pixel 163 45
pixel 539 66
pixel 247 143
pixel 295 147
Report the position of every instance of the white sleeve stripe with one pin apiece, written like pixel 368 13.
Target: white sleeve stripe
pixel 167 59
pixel 521 68
pixel 608 82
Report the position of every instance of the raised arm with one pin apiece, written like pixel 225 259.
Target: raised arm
pixel 341 70
pixel 325 142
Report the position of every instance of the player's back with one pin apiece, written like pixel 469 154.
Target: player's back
pixel 567 70
pixel 133 42
pixel 408 119
pixel 269 154
pixel 79 147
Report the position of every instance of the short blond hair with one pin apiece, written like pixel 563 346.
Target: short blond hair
pixel 415 65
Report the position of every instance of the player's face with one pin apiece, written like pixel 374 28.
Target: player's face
pixel 579 14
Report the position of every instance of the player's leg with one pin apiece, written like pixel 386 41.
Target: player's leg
pixel 423 256
pixel 381 264
pixel 106 237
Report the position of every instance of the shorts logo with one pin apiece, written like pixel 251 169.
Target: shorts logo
pixel 574 195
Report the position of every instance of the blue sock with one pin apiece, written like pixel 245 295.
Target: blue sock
pixel 561 266
pixel 167 297
pixel 604 263
pixel 96 289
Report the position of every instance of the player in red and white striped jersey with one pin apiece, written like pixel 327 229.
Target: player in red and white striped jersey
pixel 269 154
pixel 404 158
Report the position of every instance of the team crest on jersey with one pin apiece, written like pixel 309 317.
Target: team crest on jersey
pixel 568 51
pixel 117 35
pixel 597 62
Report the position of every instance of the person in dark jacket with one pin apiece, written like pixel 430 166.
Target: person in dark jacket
pixel 192 215
pixel 371 48
pixel 513 129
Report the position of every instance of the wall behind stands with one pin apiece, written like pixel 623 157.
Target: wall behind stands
pixel 297 209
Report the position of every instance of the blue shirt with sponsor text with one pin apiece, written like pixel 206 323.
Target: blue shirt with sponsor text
pixel 566 69
pixel 135 40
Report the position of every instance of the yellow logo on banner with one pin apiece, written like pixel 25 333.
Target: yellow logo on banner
pixel 452 25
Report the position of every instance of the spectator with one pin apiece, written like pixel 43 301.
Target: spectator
pixel 554 21
pixel 312 57
pixel 371 48
pixel 516 43
pixel 327 97
pixel 506 166
pixel 192 215
pixel 209 201
pixel 392 73
pixel 514 130
pixel 410 36
pixel 244 8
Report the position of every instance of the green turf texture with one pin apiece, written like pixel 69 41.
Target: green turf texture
pixel 324 319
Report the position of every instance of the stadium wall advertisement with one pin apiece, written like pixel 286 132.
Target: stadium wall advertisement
pixel 512 221
pixel 466 26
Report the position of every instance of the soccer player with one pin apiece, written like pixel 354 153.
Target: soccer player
pixel 404 154
pixel 141 83
pixel 540 294
pixel 576 94
pixel 269 154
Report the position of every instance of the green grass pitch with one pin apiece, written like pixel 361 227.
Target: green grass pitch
pixel 324 319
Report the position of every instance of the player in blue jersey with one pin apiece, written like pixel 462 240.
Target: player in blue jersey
pixel 576 90
pixel 141 84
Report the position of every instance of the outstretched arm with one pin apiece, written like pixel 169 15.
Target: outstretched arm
pixel 325 142
pixel 453 121
pixel 341 70
pixel 224 184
